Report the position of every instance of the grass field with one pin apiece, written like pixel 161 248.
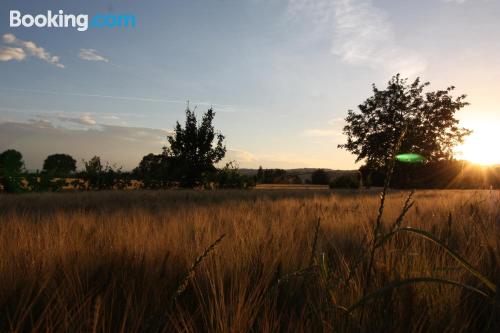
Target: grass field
pixel 290 187
pixel 142 261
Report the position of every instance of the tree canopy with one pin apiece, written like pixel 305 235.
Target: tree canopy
pixel 11 162
pixel 155 170
pixel 59 165
pixel 428 119
pixel 11 168
pixel 195 148
pixel 320 177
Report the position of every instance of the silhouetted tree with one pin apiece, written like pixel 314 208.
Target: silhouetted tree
pixel 230 177
pixel 274 176
pixel 320 177
pixel 429 118
pixel 42 182
pixel 59 165
pixel 93 169
pixel 155 171
pixel 11 169
pixel 195 148
pixel 104 177
pixel 260 175
pixel 351 181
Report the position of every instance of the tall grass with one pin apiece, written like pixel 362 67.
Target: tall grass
pixel 289 261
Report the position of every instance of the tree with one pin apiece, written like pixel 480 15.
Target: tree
pixel 351 181
pixel 11 169
pixel 427 118
pixel 59 165
pixel 155 171
pixel 104 177
pixel 93 166
pixel 230 177
pixel 320 177
pixel 260 175
pixel 195 148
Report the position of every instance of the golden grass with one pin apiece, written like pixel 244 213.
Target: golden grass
pixel 290 187
pixel 114 261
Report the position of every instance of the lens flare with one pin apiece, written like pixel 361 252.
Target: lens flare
pixel 410 158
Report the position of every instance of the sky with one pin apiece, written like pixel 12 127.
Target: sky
pixel 280 74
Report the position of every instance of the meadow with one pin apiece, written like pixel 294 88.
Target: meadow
pixel 248 261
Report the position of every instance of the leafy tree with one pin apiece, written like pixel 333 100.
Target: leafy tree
pixel 11 169
pixel 427 118
pixel 260 175
pixel 195 148
pixel 155 171
pixel 320 177
pixel 104 177
pixel 92 173
pixel 59 165
pixel 230 177
pixel 93 166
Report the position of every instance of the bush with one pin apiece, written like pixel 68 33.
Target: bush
pixel 320 177
pixel 42 182
pixel 230 177
pixel 345 181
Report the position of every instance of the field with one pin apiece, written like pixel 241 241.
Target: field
pixel 290 187
pixel 246 261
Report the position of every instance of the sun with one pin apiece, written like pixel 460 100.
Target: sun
pixel 481 147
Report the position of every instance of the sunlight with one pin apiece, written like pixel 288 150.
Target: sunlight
pixel 481 146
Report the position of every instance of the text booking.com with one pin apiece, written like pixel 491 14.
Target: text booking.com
pixel 82 22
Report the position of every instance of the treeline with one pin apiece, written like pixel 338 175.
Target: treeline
pixel 336 179
pixel 436 175
pixel 276 176
pixel 432 175
pixel 188 161
pixel 60 173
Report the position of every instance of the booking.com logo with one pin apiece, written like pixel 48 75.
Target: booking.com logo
pixel 61 20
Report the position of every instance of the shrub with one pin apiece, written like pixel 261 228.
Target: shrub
pixel 320 177
pixel 345 181
pixel 230 177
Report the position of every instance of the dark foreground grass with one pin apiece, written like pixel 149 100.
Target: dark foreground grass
pixel 151 262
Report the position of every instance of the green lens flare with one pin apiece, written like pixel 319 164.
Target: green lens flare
pixel 410 158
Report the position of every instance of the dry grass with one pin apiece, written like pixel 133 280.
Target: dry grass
pixel 290 187
pixel 114 261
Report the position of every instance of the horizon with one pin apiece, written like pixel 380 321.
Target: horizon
pixel 280 75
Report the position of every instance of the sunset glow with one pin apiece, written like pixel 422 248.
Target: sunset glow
pixel 481 147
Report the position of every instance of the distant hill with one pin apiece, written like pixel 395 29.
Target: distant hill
pixel 303 173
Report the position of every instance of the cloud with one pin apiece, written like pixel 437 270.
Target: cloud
pixel 240 155
pixel 85 119
pixel 464 1
pixel 361 34
pixel 9 38
pixel 91 55
pixel 40 123
pixel 321 133
pixel 334 130
pixel 365 36
pixel 11 53
pixel 218 107
pixel 122 145
pixel 33 50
